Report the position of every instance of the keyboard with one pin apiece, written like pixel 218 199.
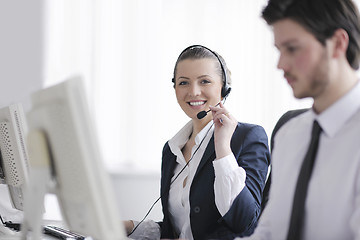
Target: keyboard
pixel 62 233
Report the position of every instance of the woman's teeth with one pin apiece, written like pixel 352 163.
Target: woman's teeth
pixel 197 103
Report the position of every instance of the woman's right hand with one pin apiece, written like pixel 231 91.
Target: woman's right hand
pixel 225 125
pixel 129 226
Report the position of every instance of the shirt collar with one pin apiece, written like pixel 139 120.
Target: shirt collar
pixel 205 132
pixel 333 118
pixel 179 140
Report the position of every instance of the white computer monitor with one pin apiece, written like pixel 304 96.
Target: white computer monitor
pixel 14 156
pixel 83 187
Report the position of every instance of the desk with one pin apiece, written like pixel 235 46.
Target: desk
pixel 45 237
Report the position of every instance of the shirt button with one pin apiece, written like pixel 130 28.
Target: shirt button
pixel 197 209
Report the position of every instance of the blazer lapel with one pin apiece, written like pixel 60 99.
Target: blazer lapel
pixel 209 151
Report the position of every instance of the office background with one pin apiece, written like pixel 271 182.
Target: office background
pixel 125 50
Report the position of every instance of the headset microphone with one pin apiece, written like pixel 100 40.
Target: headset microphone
pixel 202 114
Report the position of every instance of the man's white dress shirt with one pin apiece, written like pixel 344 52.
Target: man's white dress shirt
pixel 332 208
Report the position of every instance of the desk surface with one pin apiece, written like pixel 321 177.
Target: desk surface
pixel 18 237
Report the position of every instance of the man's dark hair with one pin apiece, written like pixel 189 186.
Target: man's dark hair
pixel 321 18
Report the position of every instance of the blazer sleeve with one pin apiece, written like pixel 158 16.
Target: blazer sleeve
pixel 250 147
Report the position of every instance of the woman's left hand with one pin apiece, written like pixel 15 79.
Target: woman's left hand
pixel 225 125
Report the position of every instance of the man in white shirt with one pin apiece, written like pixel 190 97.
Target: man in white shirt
pixel 319 46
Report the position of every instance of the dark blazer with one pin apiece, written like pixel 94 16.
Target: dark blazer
pixel 249 144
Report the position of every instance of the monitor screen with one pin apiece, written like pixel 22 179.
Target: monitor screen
pixel 13 157
pixel 83 187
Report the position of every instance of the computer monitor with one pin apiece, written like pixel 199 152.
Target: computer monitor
pixel 83 187
pixel 14 156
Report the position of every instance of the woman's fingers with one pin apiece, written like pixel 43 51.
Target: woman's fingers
pixel 220 113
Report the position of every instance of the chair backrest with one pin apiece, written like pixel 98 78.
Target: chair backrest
pixel 282 120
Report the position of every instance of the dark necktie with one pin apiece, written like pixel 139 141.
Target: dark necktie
pixel 297 214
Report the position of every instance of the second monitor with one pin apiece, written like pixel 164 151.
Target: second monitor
pixel 83 186
pixel 13 153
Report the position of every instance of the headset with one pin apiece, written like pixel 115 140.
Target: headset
pixel 226 87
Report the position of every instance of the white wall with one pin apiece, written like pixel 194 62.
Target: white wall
pixel 21 61
pixel 21 50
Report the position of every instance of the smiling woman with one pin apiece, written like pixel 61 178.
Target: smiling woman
pixel 215 163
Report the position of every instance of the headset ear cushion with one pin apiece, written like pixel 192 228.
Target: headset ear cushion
pixel 225 91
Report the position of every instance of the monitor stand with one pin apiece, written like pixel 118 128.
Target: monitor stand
pixel 40 182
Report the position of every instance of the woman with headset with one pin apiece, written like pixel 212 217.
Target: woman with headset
pixel 214 169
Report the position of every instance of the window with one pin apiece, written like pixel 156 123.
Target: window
pixel 126 51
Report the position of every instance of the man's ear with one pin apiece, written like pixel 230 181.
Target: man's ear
pixel 340 40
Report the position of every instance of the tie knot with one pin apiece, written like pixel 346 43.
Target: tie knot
pixel 316 130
